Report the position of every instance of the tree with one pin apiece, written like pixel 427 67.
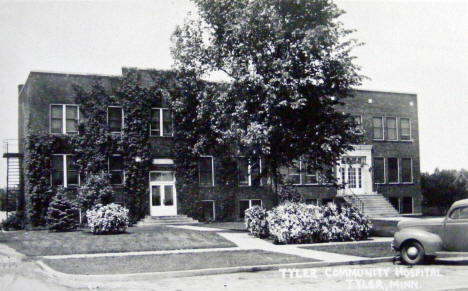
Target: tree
pixel 440 189
pixel 96 190
pixel 62 214
pixel 289 66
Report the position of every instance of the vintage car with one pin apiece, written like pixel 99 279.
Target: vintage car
pixel 417 239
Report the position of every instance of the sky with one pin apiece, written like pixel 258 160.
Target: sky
pixel 410 46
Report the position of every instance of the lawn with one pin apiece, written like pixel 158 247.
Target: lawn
pixel 150 238
pixel 171 262
pixel 368 249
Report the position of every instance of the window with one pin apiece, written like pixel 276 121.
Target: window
pixel 294 172
pixel 378 127
pixel 392 170
pixel 405 129
pixel 246 204
pixel 351 178
pixel 116 170
pixel 406 170
pixel 358 121
pixel 249 172
pixel 64 118
pixel 459 213
pixel 65 171
pixel 379 170
pixel 161 122
pixel 206 171
pixel 209 212
pixel 311 176
pixel 115 118
pixel 391 128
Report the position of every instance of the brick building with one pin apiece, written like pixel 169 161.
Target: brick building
pixel 380 172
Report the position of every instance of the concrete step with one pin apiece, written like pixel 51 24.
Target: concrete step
pixel 166 220
pixel 376 206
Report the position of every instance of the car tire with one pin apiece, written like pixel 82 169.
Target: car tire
pixel 412 253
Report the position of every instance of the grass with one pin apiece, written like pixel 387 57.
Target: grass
pixel 171 262
pixel 151 238
pixel 368 250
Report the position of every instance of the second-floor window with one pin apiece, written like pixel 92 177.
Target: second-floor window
pixel 161 122
pixel 64 118
pixel 391 128
pixel 116 170
pixel 206 171
pixel 378 127
pixel 65 170
pixel 405 129
pixel 115 118
pixel 358 122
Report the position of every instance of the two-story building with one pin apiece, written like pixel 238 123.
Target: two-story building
pixel 383 169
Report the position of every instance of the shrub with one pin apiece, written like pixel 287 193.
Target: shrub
pixel 255 221
pixel 107 219
pixel 12 222
pixel 96 190
pixel 301 223
pixel 62 214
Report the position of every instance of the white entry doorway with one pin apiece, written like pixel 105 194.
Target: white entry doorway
pixel 354 172
pixel 163 196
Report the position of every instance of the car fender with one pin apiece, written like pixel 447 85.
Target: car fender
pixel 431 242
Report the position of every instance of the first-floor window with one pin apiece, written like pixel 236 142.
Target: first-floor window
pixel 243 170
pixel 392 170
pixel 249 171
pixel 406 170
pixel 294 172
pixel 65 171
pixel 116 170
pixel 206 171
pixel 379 170
pixel 246 204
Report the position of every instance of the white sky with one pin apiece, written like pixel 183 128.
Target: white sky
pixel 411 46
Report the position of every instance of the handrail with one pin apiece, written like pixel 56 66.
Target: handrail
pixel 355 200
pixel 11 146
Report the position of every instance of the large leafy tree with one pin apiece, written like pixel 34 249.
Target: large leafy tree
pixel 289 67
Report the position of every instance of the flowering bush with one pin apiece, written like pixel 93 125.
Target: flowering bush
pixel 300 223
pixel 111 218
pixel 255 221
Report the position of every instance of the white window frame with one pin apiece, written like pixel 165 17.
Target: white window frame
pixel 396 128
pixel 249 172
pixel 383 128
pixel 384 170
pixel 305 173
pixel 398 171
pixel 411 169
pixel 123 118
pixel 212 171
pixel 410 129
pixel 214 207
pixel 65 172
pixel 64 117
pixel 109 171
pixel 161 122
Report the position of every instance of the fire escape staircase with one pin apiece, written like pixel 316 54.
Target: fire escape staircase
pixel 14 177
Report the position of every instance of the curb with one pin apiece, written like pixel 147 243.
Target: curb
pixel 86 279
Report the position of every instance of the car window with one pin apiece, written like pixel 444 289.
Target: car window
pixel 459 213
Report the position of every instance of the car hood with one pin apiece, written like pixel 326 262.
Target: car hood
pixel 427 223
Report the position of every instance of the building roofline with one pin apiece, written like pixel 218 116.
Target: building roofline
pixel 73 74
pixel 382 91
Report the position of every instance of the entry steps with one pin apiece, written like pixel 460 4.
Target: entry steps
pixel 376 205
pixel 167 220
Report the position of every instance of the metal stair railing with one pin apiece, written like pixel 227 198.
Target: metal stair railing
pixel 355 200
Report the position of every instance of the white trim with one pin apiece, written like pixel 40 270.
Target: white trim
pixel 163 162
pixel 249 172
pixel 212 170
pixel 64 117
pixel 214 208
pixel 123 117
pixel 410 129
pixel 172 208
pixel 65 172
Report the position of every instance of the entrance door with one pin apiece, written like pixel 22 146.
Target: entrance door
pixel 163 198
pixel 352 175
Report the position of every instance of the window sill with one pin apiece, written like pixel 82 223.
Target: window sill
pixel 387 140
